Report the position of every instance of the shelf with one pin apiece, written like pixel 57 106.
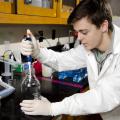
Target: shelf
pixel 27 19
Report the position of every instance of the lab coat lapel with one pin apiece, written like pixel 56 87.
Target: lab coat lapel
pixel 93 64
pixel 106 65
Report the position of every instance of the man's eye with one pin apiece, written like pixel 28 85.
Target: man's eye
pixel 85 33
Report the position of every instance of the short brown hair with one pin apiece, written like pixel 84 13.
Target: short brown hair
pixel 96 10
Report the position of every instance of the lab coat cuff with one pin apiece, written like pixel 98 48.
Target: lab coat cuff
pixel 57 108
pixel 41 55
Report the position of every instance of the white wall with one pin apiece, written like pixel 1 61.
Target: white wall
pixel 15 33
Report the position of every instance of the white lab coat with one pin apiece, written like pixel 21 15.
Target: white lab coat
pixel 104 94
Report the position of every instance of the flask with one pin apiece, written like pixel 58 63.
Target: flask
pixel 30 86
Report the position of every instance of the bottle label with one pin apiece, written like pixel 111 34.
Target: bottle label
pixel 27 67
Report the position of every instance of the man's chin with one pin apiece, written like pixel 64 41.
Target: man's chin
pixel 87 48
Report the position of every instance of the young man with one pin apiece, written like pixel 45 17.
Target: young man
pixel 99 52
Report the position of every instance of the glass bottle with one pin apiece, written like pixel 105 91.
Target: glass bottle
pixel 30 86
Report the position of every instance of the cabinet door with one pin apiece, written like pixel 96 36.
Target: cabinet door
pixel 37 7
pixel 65 7
pixel 6 7
pixel 77 2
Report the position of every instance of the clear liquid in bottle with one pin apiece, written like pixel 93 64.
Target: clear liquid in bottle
pixel 30 86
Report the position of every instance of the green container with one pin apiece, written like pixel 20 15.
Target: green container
pixel 19 69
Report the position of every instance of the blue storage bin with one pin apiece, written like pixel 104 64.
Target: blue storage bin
pixel 73 75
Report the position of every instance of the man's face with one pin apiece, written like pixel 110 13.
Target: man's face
pixel 89 35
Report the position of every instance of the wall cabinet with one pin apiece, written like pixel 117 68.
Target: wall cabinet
pixel 77 2
pixel 64 8
pixel 7 7
pixel 37 7
pixel 36 11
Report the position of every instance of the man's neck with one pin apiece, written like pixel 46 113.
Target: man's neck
pixel 105 43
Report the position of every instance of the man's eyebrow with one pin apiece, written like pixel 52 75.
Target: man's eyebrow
pixel 82 30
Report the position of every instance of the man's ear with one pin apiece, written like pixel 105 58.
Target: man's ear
pixel 104 26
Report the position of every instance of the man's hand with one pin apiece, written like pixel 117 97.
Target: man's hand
pixel 36 107
pixel 30 47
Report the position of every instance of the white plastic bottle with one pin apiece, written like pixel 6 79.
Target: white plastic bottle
pixel 37 3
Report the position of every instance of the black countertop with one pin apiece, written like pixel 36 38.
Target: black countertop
pixel 52 89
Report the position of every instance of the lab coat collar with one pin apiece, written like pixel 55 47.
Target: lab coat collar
pixel 93 64
pixel 116 43
pixel 116 50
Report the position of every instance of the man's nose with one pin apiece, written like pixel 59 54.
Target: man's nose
pixel 80 36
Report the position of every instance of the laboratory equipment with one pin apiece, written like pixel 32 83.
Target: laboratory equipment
pixel 9 61
pixel 27 1
pixel 7 72
pixel 7 68
pixel 30 86
pixel 7 76
pixel 37 3
pixel 5 89
pixel 46 3
pixel 27 65
pixel 46 71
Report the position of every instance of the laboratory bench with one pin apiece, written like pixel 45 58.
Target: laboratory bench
pixel 54 90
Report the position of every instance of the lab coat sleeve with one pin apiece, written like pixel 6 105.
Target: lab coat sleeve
pixel 103 98
pixel 68 60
